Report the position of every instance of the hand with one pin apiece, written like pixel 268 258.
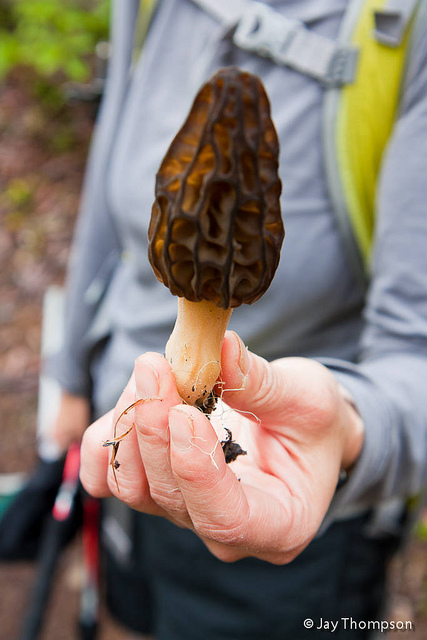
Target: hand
pixel 72 421
pixel 291 418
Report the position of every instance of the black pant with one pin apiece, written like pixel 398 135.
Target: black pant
pixel 173 587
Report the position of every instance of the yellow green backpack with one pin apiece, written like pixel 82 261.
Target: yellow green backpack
pixel 362 73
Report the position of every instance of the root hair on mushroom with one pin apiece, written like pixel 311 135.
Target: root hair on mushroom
pixel 211 454
pixel 116 440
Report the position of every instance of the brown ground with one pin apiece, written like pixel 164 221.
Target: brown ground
pixel 42 155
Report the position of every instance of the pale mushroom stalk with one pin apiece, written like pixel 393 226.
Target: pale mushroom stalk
pixel 194 348
pixel 216 229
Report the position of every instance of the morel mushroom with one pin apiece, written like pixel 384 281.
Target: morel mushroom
pixel 216 229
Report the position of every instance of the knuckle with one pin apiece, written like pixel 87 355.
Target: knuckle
pixel 230 536
pixel 198 470
pixel 224 554
pixel 93 487
pixel 173 503
pixel 321 397
pixel 280 559
pixel 325 403
pixel 185 473
pixel 130 493
pixel 265 393
pixel 151 434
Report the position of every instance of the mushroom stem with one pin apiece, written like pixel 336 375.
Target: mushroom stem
pixel 194 348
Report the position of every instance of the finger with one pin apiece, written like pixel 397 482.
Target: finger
pixel 231 517
pixel 155 381
pixel 213 496
pixel 250 382
pixel 272 391
pixel 273 533
pixel 234 519
pixel 126 475
pixel 95 457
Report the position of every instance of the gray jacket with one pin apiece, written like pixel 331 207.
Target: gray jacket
pixel 376 345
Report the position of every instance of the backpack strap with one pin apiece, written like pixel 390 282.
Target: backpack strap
pixel 391 21
pixel 262 30
pixel 146 12
pixel 358 120
pixel 362 71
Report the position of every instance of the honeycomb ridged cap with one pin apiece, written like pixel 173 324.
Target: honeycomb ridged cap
pixel 216 228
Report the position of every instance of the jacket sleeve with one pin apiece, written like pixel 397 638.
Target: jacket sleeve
pixel 96 246
pixel 389 381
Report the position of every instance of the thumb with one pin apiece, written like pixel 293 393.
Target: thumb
pixel 252 384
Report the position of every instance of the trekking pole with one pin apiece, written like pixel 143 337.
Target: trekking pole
pixel 51 545
pixel 89 600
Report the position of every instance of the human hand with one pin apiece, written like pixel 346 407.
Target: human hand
pixel 72 420
pixel 291 418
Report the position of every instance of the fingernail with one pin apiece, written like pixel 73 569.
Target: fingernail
pixel 244 361
pixel 147 380
pixel 181 429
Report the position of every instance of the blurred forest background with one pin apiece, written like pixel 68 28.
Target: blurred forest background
pixel 52 60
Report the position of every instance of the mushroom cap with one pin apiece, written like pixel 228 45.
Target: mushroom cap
pixel 216 229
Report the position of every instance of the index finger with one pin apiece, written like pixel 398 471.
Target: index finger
pixel 227 514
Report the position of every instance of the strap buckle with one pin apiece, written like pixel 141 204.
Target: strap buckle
pixel 263 31
pixel 392 20
pixel 270 34
pixel 342 67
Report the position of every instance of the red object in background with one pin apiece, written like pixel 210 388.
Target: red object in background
pixel 89 602
pixel 70 479
pixel 51 547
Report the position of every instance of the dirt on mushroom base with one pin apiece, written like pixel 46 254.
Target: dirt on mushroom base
pixel 40 191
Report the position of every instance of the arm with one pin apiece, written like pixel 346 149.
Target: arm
pixel 96 247
pixel 388 384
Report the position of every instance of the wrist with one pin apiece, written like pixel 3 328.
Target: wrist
pixel 72 420
pixel 355 431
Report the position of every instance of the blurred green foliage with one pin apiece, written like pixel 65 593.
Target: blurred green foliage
pixel 19 193
pixel 421 528
pixel 51 36
pixel 18 198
